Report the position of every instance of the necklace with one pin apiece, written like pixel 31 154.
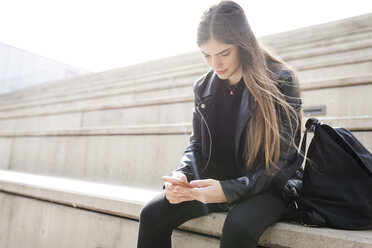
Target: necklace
pixel 232 90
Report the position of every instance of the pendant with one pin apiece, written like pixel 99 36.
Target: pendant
pixel 231 93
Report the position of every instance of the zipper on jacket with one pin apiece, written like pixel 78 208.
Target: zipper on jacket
pixel 210 138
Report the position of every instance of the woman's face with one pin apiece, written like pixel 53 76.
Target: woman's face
pixel 223 59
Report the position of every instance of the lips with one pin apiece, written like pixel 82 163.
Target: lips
pixel 221 72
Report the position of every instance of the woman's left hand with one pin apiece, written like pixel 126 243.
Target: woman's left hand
pixel 205 191
pixel 208 191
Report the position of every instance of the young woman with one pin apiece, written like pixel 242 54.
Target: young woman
pixel 246 127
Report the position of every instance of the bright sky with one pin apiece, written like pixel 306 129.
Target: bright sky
pixel 101 35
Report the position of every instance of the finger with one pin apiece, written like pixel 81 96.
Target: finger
pixel 173 199
pixel 178 199
pixel 182 199
pixel 180 175
pixel 200 183
pixel 183 177
pixel 169 186
pixel 170 193
pixel 188 193
pixel 184 191
pixel 176 192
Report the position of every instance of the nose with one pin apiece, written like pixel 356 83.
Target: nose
pixel 216 63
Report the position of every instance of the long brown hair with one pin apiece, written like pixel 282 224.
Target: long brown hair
pixel 226 22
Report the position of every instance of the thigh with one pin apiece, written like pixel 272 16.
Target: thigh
pixel 246 221
pixel 158 219
pixel 159 213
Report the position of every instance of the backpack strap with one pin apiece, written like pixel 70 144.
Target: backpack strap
pixel 285 174
pixel 311 123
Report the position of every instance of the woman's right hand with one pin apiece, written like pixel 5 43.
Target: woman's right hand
pixel 172 192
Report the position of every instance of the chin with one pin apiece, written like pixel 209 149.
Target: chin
pixel 223 77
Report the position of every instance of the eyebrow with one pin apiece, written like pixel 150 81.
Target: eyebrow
pixel 219 52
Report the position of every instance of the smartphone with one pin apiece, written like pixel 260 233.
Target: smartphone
pixel 176 181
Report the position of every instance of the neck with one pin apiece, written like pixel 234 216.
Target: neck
pixel 236 76
pixel 233 82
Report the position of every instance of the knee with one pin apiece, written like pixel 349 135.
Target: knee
pixel 147 215
pixel 154 211
pixel 239 231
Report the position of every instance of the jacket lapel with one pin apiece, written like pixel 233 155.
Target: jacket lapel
pixel 211 86
pixel 208 104
pixel 243 115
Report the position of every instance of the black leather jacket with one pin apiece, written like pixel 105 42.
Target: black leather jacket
pixel 197 155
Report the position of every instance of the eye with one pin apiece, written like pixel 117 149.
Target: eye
pixel 226 54
pixel 206 56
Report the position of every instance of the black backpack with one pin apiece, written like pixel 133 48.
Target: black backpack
pixel 337 180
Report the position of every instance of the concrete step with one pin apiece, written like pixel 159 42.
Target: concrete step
pixel 309 54
pixel 350 67
pixel 99 82
pixel 113 82
pixel 322 58
pixel 175 109
pixel 27 222
pixel 115 155
pixel 153 87
pixel 328 56
pixel 338 49
pixel 165 87
pixel 332 101
pixel 344 81
pixel 329 41
pixel 320 68
pixel 45 224
pixel 148 68
pixel 112 155
pixel 71 202
pixel 353 123
pixel 341 101
pixel 340 56
pixel 321 31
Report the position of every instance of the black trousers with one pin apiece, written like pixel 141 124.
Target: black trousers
pixel 243 226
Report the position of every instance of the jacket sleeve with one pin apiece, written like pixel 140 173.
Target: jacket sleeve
pixel 190 163
pixel 258 181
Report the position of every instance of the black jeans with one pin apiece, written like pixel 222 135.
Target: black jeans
pixel 243 226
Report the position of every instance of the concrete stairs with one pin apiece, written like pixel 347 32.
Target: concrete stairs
pixel 80 157
pixel 114 210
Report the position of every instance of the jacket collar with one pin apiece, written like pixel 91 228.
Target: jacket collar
pixel 211 85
